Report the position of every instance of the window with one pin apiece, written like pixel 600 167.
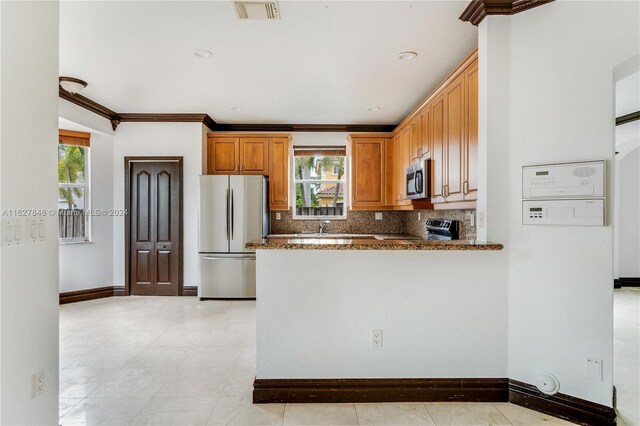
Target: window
pixel 319 181
pixel 73 186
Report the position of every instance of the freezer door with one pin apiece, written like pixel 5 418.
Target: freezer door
pixel 214 222
pixel 229 276
pixel 246 211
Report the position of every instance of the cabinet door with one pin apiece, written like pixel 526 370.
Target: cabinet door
pixel 425 132
pixel 415 140
pixel 389 175
pixel 254 156
pixel 455 140
pixel 279 173
pixel 470 183
pixel 223 155
pixel 438 159
pixel 368 172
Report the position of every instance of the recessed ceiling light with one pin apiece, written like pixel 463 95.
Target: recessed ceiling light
pixel 407 56
pixel 202 53
pixel 236 108
pixel 374 108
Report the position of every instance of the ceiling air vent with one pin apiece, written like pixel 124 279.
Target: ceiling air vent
pixel 257 9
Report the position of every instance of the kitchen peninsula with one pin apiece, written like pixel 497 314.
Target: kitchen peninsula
pixel 321 301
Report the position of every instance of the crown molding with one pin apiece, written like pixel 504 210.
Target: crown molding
pixel 134 117
pixel 624 119
pixel 90 105
pixel 477 10
pixel 348 128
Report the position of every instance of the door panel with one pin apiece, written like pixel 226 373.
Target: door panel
pixel 454 145
pixel 425 132
pixel 214 214
pixel 227 276
pixel 438 136
pixel 471 146
pixel 279 174
pixel 141 276
pixel 246 211
pixel 223 155
pixel 168 228
pixel 254 155
pixel 154 228
pixel 368 171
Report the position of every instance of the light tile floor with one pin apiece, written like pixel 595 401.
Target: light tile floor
pixel 626 354
pixel 179 361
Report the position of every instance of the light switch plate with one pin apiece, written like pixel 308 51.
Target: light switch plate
pixel 594 369
pixel 278 216
pixel 378 216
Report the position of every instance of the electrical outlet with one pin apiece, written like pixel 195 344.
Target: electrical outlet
pixel 594 369
pixel 419 216
pixel 481 220
pixel 37 385
pixel 376 338
pixel 378 216
pixel 472 219
pixel 278 216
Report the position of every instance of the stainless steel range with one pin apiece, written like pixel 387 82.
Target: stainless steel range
pixel 442 229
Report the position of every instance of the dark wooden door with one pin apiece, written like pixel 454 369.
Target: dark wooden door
pixel 154 228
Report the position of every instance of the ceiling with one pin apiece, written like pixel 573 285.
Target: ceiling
pixel 323 62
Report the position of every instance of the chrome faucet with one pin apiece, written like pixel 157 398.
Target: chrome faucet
pixel 323 224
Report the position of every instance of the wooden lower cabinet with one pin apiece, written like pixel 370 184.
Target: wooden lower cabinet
pixel 279 173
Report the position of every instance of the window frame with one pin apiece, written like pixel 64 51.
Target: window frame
pixel 87 198
pixel 345 184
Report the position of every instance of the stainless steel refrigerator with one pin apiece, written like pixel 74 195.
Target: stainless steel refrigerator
pixel 233 211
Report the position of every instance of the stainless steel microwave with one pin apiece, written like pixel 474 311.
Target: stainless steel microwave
pixel 417 180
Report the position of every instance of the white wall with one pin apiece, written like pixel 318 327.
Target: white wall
pixel 438 319
pixel 160 139
pixel 97 256
pixel 557 70
pixel 28 176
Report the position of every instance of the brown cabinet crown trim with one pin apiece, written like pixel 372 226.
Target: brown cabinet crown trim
pixel 477 10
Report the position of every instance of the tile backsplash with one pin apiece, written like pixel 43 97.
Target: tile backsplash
pixel 357 222
pixel 413 226
pixel 363 222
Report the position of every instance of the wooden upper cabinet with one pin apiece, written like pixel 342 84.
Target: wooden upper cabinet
pixel 438 137
pixel 279 173
pixel 454 143
pixel 389 165
pixel 223 155
pixel 425 132
pixel 470 176
pixel 229 155
pixel 415 136
pixel 254 156
pixel 368 172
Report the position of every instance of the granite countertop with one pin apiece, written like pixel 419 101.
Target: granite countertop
pixel 364 243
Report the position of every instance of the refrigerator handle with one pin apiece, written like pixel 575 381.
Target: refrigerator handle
pixel 227 211
pixel 232 214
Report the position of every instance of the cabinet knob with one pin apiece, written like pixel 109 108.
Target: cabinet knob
pixel 465 187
